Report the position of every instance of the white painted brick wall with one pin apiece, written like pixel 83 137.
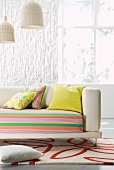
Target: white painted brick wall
pixel 32 59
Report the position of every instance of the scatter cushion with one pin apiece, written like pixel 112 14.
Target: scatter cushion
pixel 38 100
pixel 66 98
pixel 20 101
pixel 18 153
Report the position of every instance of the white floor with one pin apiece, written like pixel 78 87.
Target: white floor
pixel 107 128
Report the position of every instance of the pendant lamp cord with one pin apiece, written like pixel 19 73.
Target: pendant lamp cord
pixel 5 9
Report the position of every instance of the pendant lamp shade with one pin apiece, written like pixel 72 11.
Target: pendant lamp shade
pixel 6 32
pixel 32 17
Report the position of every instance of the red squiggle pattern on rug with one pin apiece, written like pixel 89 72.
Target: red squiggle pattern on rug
pixel 69 150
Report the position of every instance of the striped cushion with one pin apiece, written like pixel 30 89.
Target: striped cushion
pixel 47 121
pixel 38 100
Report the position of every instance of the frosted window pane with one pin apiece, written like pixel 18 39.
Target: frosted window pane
pixel 60 13
pixel 105 55
pixel 78 56
pixel 77 13
pixel 106 15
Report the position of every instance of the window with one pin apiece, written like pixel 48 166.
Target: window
pixel 86 41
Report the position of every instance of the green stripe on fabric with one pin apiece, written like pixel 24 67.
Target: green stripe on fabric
pixel 39 124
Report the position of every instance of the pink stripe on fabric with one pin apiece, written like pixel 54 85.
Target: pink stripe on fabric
pixel 13 131
pixel 39 120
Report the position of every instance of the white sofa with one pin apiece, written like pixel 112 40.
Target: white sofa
pixel 91 102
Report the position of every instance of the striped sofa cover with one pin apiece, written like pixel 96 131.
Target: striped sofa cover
pixel 31 120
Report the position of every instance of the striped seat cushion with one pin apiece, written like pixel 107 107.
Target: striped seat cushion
pixel 43 120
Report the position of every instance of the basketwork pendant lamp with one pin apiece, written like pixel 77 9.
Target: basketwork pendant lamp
pixel 31 16
pixel 6 31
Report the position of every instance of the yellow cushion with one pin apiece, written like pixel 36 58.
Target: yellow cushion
pixel 20 100
pixel 66 98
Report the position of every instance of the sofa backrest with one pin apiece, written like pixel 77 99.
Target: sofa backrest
pixel 7 92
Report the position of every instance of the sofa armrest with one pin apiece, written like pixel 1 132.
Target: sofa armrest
pixel 91 103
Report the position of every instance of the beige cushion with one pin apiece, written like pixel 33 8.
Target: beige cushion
pixel 17 153
pixel 47 96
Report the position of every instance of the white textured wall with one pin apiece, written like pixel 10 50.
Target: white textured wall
pixel 32 59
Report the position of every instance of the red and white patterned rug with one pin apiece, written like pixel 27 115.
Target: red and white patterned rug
pixel 68 151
